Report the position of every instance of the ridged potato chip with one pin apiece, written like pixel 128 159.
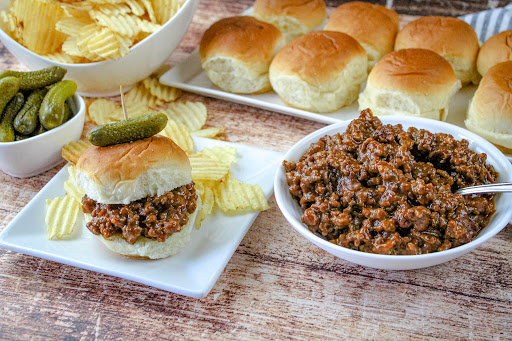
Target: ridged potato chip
pixel 205 167
pixel 191 114
pixel 163 92
pixel 61 215
pixel 38 19
pixel 123 24
pixel 210 133
pixel 165 9
pixel 73 191
pixel 139 94
pixel 63 57
pixel 8 23
pixel 73 26
pixel 132 109
pixel 101 111
pixel 150 10
pixel 114 9
pixel 206 207
pixel 180 135
pixel 225 155
pixel 232 195
pixel 108 44
pixel 136 7
pixel 73 150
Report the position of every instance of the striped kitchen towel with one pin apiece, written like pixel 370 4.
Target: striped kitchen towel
pixel 490 22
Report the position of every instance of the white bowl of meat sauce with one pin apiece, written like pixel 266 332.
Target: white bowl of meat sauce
pixel 379 192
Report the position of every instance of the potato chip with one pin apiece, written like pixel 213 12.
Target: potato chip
pixel 8 23
pixel 73 150
pixel 180 135
pixel 61 215
pixel 109 45
pixel 87 34
pixel 71 172
pixel 132 109
pixel 73 26
pixel 163 92
pixel 111 9
pixel 166 9
pixel 136 7
pixel 101 111
pixel 225 155
pixel 150 10
pixel 232 195
pixel 147 26
pixel 73 190
pixel 210 133
pixel 205 167
pixel 123 24
pixel 63 57
pixel 191 114
pixel 206 207
pixel 139 94
pixel 38 19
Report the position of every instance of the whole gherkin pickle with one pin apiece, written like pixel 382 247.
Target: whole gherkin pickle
pixel 52 112
pixel 36 79
pixel 6 129
pixel 28 117
pixel 9 87
pixel 137 128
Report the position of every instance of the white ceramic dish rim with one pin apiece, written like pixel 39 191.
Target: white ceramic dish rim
pixel 304 143
pixel 85 65
pixel 80 110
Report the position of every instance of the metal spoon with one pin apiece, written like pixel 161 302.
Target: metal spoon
pixel 503 187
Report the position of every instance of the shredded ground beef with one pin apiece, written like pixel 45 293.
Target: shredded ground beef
pixel 154 217
pixel 377 188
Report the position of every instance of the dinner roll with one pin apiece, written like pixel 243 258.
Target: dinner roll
pixel 320 71
pixel 373 26
pixel 496 49
pixel 413 82
pixel 490 110
pixel 293 18
pixel 452 38
pixel 236 53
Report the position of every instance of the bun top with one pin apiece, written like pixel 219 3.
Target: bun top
pixel 241 37
pixel 492 103
pixel 370 24
pixel 415 71
pixel 496 49
pixel 310 13
pixel 450 37
pixel 317 57
pixel 127 172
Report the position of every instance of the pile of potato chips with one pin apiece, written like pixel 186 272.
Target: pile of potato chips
pixel 84 31
pixel 211 174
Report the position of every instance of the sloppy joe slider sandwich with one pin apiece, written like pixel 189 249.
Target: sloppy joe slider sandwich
pixel 140 199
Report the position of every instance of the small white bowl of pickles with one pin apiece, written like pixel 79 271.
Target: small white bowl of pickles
pixel 40 114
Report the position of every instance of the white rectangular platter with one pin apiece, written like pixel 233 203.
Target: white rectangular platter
pixel 192 272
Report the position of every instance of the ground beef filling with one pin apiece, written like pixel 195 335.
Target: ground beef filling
pixel 377 188
pixel 154 217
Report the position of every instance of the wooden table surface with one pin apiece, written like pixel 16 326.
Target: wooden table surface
pixel 277 285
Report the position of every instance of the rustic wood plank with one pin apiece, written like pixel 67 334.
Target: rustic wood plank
pixel 277 285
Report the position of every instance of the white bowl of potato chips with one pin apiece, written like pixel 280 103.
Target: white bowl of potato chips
pixel 102 43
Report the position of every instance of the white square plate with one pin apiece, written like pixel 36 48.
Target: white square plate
pixel 192 272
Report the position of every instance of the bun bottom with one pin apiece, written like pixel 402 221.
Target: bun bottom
pixel 145 248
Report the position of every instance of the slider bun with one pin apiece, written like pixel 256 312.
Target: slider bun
pixel 236 53
pixel 145 248
pixel 452 38
pixel 490 110
pixel 373 26
pixel 320 71
pixel 413 82
pixel 496 49
pixel 126 172
pixel 293 18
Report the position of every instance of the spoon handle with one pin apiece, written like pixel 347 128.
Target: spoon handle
pixel 503 187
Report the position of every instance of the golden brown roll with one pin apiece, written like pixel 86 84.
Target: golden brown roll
pixel 496 49
pixel 236 53
pixel 320 71
pixel 373 26
pixel 490 110
pixel 452 38
pixel 293 18
pixel 413 82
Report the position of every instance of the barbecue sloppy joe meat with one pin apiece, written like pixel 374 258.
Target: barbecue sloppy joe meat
pixel 154 217
pixel 377 188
